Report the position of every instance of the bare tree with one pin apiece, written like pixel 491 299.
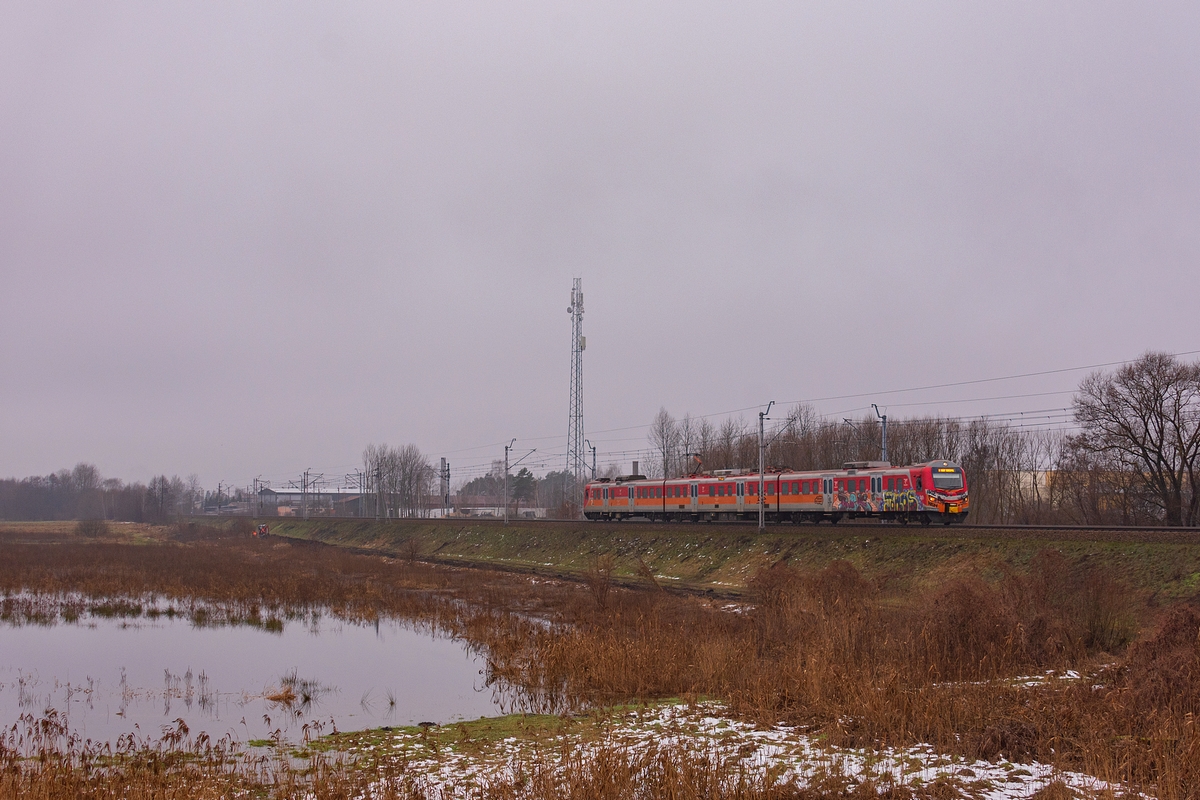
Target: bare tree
pixel 664 436
pixel 1145 418
pixel 687 444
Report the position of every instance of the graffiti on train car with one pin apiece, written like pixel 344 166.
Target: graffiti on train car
pixel 856 501
pixel 900 500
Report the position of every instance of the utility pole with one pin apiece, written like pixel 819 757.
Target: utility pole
pixel 378 493
pixel 576 461
pixel 507 447
pixel 883 417
pixel 445 476
pixel 762 457
pixel 593 447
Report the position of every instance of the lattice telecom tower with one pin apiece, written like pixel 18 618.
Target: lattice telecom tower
pixel 576 456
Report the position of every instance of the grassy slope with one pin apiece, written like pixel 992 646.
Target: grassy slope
pixel 724 557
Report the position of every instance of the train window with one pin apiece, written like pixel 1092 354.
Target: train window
pixel 920 483
pixel 947 478
pixel 862 484
pixel 891 484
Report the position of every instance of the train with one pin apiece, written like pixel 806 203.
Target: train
pixel 932 492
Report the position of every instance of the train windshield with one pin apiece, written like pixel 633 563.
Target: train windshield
pixel 947 478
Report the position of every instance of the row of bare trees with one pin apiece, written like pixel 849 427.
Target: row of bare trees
pixel 83 493
pixel 399 480
pixel 1132 458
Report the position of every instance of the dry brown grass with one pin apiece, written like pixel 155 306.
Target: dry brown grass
pixel 826 649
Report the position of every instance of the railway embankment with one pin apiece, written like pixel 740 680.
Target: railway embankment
pixel 722 558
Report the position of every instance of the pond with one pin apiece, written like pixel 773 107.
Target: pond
pixel 114 676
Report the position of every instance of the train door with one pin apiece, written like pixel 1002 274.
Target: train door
pixel 632 497
pixel 606 498
pixel 695 493
pixel 827 491
pixel 741 495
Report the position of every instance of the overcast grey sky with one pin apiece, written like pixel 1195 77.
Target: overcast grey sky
pixel 243 238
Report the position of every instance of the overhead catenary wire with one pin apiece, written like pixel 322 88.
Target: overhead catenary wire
pixel 1014 419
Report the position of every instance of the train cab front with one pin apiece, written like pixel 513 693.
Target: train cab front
pixel 945 493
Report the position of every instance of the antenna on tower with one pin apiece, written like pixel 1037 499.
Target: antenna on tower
pixel 576 455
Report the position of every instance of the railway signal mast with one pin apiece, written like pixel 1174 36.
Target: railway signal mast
pixel 576 451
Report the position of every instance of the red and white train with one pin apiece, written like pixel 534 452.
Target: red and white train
pixel 925 493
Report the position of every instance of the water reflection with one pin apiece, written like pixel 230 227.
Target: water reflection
pixel 121 673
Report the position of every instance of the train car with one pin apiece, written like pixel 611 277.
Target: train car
pixel 924 493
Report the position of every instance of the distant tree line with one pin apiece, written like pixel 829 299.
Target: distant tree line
pixel 82 493
pixel 553 491
pixel 1132 461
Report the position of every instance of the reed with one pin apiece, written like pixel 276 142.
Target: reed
pixel 959 662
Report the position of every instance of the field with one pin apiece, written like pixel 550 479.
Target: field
pixel 1048 652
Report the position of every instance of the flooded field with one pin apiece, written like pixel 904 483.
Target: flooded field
pixel 112 676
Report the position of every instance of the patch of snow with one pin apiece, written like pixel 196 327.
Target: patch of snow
pixel 781 754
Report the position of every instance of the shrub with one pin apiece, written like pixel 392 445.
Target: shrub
pixel 91 528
